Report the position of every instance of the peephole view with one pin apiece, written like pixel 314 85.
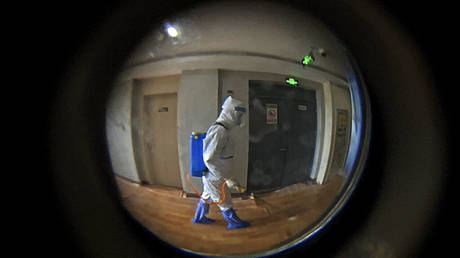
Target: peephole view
pixel 235 129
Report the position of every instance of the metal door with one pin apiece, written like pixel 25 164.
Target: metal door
pixel 282 129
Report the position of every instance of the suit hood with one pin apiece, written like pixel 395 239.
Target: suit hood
pixel 232 110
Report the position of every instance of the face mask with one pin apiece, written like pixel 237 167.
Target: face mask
pixel 239 121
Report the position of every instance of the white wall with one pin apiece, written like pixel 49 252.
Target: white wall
pixel 268 28
pixel 118 129
pixel 176 65
pixel 197 109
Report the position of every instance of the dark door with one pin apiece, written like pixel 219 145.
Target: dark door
pixel 282 135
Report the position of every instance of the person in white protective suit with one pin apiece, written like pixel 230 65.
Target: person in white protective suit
pixel 218 158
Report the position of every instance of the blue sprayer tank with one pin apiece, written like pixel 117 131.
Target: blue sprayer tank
pixel 197 166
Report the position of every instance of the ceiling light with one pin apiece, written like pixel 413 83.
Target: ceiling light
pixel 172 32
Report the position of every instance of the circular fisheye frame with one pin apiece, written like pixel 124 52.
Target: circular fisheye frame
pixel 236 128
pixel 292 167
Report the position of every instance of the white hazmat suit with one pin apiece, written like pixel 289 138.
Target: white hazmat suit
pixel 218 153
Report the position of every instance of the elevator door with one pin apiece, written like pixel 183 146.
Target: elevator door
pixel 282 129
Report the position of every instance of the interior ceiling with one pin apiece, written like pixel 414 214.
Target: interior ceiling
pixel 247 27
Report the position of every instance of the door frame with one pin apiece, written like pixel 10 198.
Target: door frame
pixel 150 172
pixel 142 87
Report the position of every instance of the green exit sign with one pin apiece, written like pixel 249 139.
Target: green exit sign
pixel 292 81
pixel 307 59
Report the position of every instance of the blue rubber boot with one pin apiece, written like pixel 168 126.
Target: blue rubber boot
pixel 201 210
pixel 233 220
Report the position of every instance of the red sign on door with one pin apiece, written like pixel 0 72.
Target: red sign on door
pixel 272 114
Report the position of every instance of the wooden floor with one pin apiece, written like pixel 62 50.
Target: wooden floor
pixel 275 217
